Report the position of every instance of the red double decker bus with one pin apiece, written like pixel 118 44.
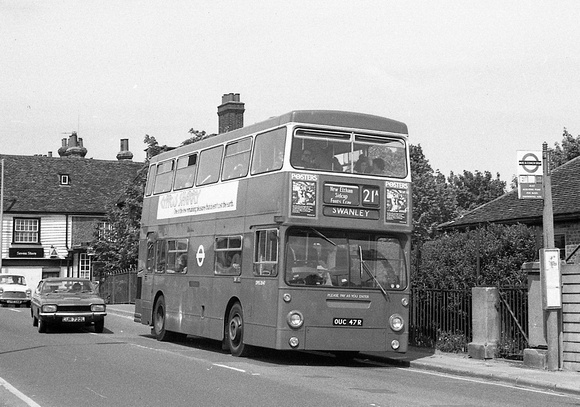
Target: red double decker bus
pixel 293 233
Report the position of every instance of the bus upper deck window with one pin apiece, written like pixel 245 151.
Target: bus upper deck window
pixel 164 177
pixel 379 156
pixel 320 150
pixel 269 151
pixel 237 159
pixel 185 172
pixel 209 165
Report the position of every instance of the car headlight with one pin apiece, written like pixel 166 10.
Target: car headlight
pixel 295 319
pixel 98 308
pixel 49 308
pixel 396 322
pixel 28 293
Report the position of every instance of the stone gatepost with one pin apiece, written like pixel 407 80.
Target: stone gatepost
pixel 485 323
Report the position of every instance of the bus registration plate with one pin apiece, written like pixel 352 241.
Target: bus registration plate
pixel 347 322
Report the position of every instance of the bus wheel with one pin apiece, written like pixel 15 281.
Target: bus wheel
pixel 235 332
pixel 159 318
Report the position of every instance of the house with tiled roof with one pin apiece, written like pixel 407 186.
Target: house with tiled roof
pixel 508 209
pixel 53 205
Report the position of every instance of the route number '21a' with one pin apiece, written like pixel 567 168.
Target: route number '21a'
pixel 370 196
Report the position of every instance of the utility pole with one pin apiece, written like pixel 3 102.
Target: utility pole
pixel 551 314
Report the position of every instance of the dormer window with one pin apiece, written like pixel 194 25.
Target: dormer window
pixel 64 179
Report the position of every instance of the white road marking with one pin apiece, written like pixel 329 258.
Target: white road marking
pixel 482 381
pixel 18 394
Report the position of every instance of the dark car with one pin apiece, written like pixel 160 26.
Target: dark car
pixel 67 301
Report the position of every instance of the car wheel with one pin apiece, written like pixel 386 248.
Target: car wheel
pixel 235 332
pixel 159 318
pixel 99 326
pixel 42 326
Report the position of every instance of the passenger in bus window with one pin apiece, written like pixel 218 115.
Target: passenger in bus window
pixel 181 266
pixel 325 160
pixel 363 165
pixel 306 159
pixel 378 166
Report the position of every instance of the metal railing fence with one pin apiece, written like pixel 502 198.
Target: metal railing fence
pixel 442 319
pixel 118 287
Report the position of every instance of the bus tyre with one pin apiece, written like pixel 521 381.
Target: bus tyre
pixel 159 318
pixel 235 332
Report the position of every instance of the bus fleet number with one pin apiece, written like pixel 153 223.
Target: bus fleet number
pixel 347 322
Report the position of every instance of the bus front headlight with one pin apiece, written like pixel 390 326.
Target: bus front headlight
pixel 396 322
pixel 295 319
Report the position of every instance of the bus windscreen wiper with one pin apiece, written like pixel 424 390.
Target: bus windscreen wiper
pixel 368 271
pixel 324 237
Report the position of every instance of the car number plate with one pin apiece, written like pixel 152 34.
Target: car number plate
pixel 73 319
pixel 13 302
pixel 356 322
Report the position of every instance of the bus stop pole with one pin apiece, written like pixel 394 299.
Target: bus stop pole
pixel 551 315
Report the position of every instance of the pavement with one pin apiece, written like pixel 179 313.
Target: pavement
pixel 458 364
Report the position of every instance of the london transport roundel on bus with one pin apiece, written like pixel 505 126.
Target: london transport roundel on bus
pixel 200 255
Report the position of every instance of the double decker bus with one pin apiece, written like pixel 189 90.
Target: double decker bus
pixel 291 234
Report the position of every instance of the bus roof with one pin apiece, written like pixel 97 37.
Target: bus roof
pixel 319 117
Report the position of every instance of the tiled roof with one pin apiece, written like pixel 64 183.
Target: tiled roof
pixel 32 184
pixel 509 209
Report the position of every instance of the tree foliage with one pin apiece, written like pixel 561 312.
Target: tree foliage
pixel 475 189
pixel 118 248
pixel 433 199
pixel 569 149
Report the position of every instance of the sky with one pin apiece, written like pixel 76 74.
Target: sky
pixel 475 81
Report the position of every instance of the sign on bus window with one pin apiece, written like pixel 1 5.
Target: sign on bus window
pixel 228 255
pixel 266 253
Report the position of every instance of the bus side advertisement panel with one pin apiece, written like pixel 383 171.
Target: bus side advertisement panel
pixel 198 201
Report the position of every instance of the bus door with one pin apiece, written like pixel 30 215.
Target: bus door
pixel 265 289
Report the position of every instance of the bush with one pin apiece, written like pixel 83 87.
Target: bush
pixel 450 261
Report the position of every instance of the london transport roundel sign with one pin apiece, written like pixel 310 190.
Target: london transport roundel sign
pixel 530 163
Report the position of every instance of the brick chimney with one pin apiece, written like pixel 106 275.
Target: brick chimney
pixel 124 154
pixel 73 147
pixel 230 113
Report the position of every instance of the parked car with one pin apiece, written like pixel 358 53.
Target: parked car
pixel 67 301
pixel 13 290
